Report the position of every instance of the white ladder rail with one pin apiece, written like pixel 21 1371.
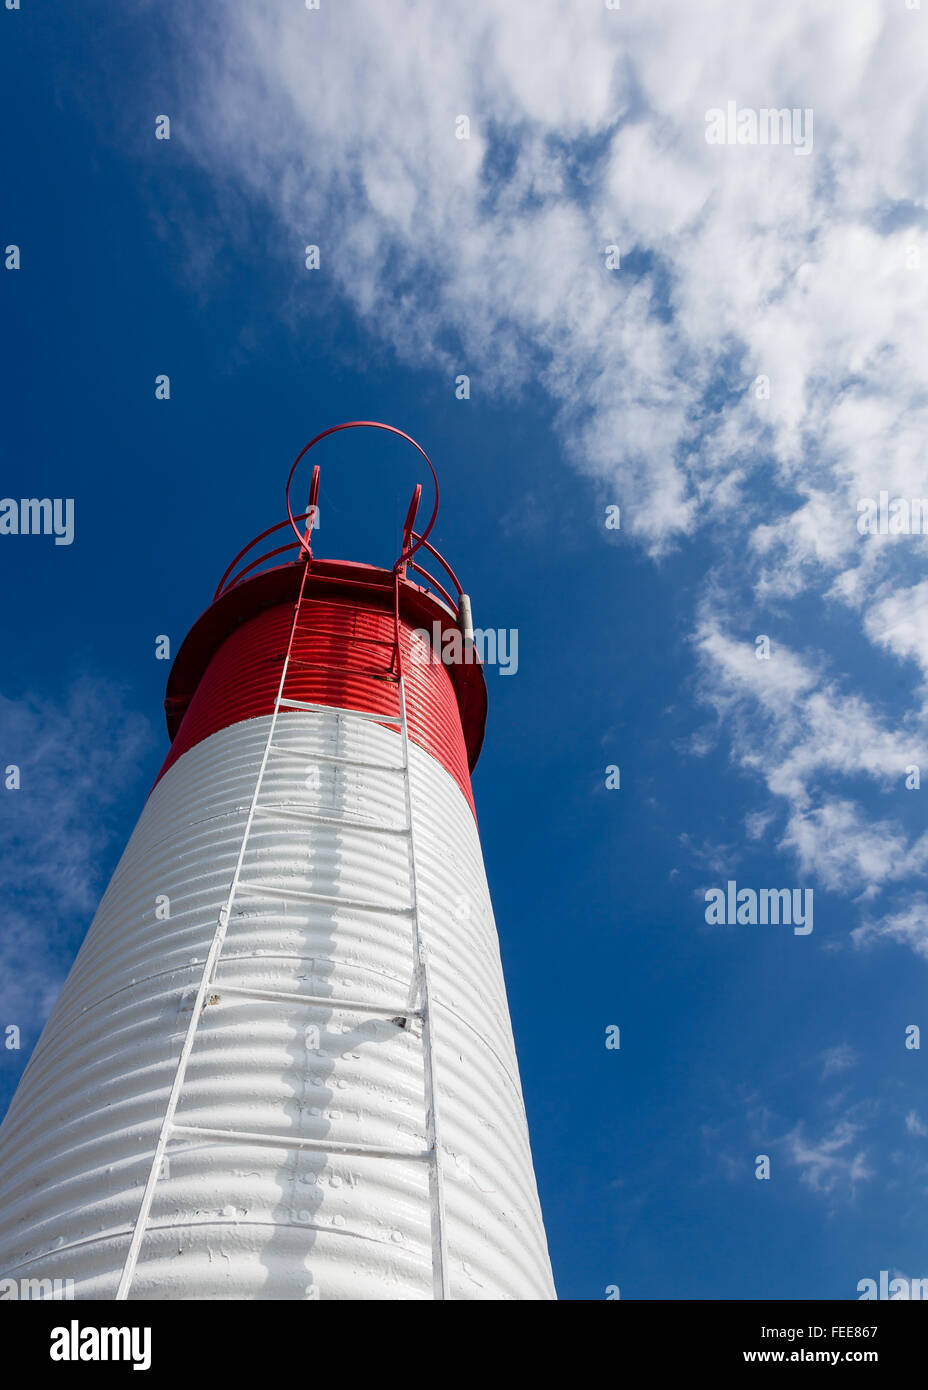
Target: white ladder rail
pixel 421 998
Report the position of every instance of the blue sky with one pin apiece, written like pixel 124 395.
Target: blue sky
pixel 589 387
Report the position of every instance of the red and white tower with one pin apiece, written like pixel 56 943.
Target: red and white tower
pixel 282 1065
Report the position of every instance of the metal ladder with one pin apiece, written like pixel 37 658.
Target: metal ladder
pixel 417 1005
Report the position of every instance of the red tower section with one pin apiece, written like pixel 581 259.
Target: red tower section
pixel 344 644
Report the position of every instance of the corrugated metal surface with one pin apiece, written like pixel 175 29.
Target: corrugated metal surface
pixel 249 1221
pixel 345 642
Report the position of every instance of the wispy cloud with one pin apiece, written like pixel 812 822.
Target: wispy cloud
pixel 908 927
pixel 797 731
pixel 740 262
pixel 76 756
pixel 832 1162
pixel 838 1059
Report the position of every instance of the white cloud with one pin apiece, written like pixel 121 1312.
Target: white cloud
pixel 797 731
pixel 343 123
pixel 899 622
pixel 831 1163
pixel 908 927
pixel 76 755
pixel 849 850
pixel 838 1059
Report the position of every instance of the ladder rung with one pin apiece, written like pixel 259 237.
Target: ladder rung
pixel 337 709
pixel 304 896
pixel 277 996
pixel 347 637
pixel 334 758
pixel 287 1141
pixel 312 818
pixel 382 675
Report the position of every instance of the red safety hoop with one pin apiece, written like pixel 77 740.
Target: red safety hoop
pixel 406 551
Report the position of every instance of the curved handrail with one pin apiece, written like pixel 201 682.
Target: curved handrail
pixel 245 549
pixel 443 562
pixel 268 555
pixel 373 425
pixel 412 541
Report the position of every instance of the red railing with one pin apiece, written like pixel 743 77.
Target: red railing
pixel 412 541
